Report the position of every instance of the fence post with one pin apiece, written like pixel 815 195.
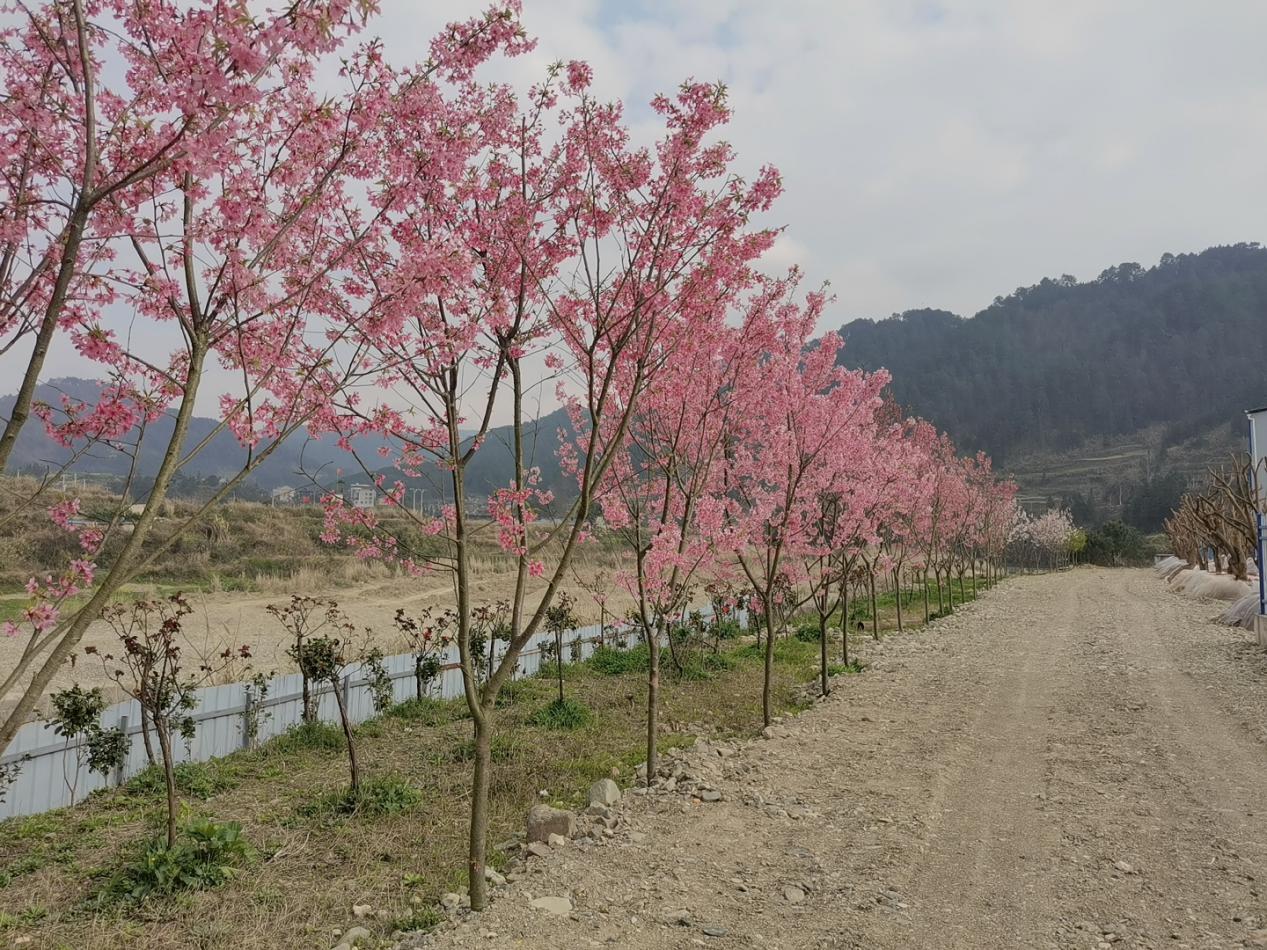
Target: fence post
pixel 248 705
pixel 118 769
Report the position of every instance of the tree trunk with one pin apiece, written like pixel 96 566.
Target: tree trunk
pixel 653 704
pixel 347 735
pixel 558 659
pixel 924 577
pixel 169 777
pixel 974 578
pixel 844 622
pixel 418 676
pixel 145 736
pixel 767 713
pixel 941 605
pixel 480 780
pixel 310 708
pixel 897 597
pixel 875 614
pixel 822 651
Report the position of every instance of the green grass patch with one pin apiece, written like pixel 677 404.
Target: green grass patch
pixel 428 711
pixel 562 714
pixel 419 919
pixel 837 669
pixel 504 747
pixel 24 918
pixel 308 736
pixel 375 797
pixel 195 779
pixel 612 662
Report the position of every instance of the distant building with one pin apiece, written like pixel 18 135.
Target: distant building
pixel 362 496
pixel 283 495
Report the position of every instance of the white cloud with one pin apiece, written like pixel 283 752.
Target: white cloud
pixel 940 152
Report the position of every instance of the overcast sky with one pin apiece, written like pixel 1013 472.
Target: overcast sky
pixel 941 153
pixel 935 153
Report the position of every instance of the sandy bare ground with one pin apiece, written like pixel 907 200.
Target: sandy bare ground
pixel 1076 761
pixel 227 619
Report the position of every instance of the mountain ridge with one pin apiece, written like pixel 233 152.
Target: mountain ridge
pixel 1097 393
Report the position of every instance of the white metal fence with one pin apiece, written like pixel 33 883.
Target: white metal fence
pixel 50 766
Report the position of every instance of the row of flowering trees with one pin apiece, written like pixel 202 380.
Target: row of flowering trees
pixel 1048 540
pixel 405 259
pixel 1217 522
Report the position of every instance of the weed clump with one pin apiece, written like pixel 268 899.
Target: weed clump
pixel 205 854
pixel 612 662
pixel 562 714
pixel 374 798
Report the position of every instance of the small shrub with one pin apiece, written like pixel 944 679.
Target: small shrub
pixel 77 716
pixel 205 854
pixel 562 714
pixel 807 633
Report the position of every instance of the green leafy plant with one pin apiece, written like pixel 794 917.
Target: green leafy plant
pixel 378 679
pixel 8 775
pixel 256 712
pixel 428 636
pixel 77 717
pixel 149 668
pixel 560 618
pixel 419 919
pixel 206 854
pixel 24 918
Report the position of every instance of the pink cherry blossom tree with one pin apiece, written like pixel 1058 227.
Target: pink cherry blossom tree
pixel 776 469
pixel 236 246
pixel 560 241
pixel 662 494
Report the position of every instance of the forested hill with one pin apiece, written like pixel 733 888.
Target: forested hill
pixel 1182 345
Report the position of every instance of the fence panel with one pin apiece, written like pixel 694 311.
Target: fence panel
pixel 51 768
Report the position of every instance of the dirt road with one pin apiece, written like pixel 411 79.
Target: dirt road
pixel 1076 761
